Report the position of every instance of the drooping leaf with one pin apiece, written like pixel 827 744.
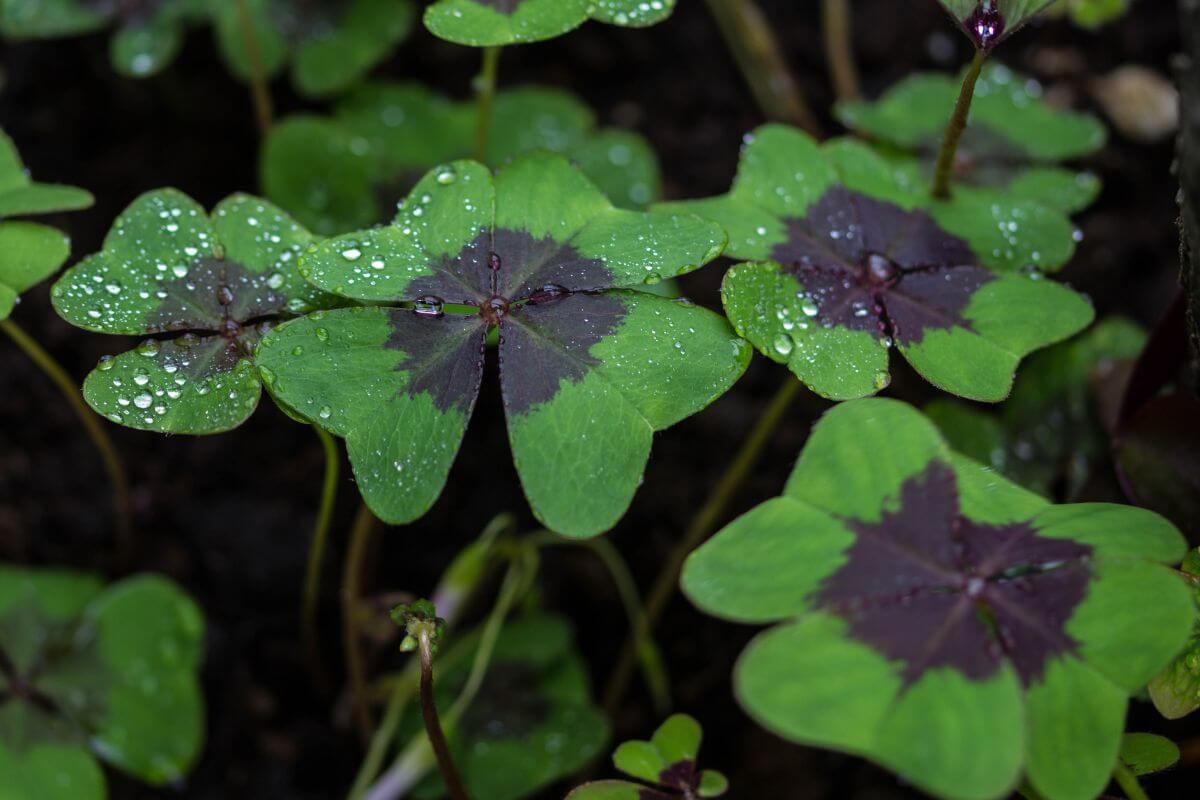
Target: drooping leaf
pixel 330 46
pixel 1048 436
pixel 989 22
pixel 105 673
pixel 1013 145
pixel 1145 753
pixel 347 172
pixel 851 277
pixel 532 721
pixel 939 620
pixel 492 23
pixel 590 370
pixel 206 288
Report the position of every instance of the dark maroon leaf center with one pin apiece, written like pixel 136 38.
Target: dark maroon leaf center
pixel 929 587
pixel 871 266
pixel 985 25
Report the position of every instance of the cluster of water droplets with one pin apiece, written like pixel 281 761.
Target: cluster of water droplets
pixel 631 12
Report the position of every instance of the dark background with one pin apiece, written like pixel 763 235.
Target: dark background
pixel 230 516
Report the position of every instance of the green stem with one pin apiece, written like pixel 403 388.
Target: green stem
pixel 701 527
pixel 356 672
pixel 956 127
pixel 123 507
pixel 485 90
pixel 760 58
pixel 649 656
pixel 838 33
pixel 316 555
pixel 1129 783
pixel 433 726
pixel 260 93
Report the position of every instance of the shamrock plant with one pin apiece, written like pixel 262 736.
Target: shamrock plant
pixel 668 763
pixel 1013 144
pixel 849 260
pixel 1049 435
pixel 148 35
pixel 329 46
pixel 92 674
pixel 204 289
pixel 29 252
pixel 590 368
pixel 938 619
pixel 491 23
pixel 347 171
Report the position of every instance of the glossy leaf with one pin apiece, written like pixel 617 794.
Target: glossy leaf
pixel 331 47
pixel 851 276
pixel 112 674
pixel 989 22
pixel 206 287
pixel 347 172
pixel 1012 146
pixel 590 371
pixel 492 23
pixel 883 559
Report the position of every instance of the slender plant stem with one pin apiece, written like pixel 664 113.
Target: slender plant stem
pixel 485 91
pixel 649 655
pixel 316 555
pixel 1129 783
pixel 433 726
pixel 838 32
pixel 761 61
pixel 956 127
pixel 701 527
pixel 122 505
pixel 356 671
pixel 259 91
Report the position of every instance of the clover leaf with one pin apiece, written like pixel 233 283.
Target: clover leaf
pixel 590 370
pixel 531 723
pixel 938 619
pixel 989 22
pixel 1176 690
pixel 206 288
pixel 148 36
pixel 1049 434
pixel 330 46
pixel 1147 753
pixel 1090 14
pixel 347 172
pixel 29 252
pixel 1013 143
pixel 489 23
pixel 668 762
pixel 851 261
pixel 87 673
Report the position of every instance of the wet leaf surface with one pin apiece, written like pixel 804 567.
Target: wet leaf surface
pixel 493 23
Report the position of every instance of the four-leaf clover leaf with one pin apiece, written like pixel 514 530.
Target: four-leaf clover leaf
pixel 849 262
pixel 940 620
pixel 206 288
pixel 590 368
pixel 1013 143
pixel 87 673
pixel 29 252
pixel 490 23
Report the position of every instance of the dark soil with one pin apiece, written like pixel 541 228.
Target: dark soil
pixel 229 516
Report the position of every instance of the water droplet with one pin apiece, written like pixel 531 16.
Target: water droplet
pixel 429 306
pixel 783 345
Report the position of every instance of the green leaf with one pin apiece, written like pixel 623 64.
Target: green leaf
pixel 853 275
pixel 640 760
pixel 51 772
pixel 29 253
pixel 590 372
pixel 1091 14
pixel 612 790
pixel 21 196
pixel 493 23
pixel 713 783
pixel 143 47
pixel 882 559
pixel 678 739
pixel 989 22
pixel 47 19
pixel 207 288
pixel 1145 753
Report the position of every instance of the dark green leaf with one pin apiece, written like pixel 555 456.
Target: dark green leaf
pixel 1145 753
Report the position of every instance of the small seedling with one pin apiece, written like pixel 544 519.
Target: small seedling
pixel 668 763
pixel 347 171
pixel 590 369
pixel 92 674
pixel 1049 436
pixel 492 23
pixel 206 288
pixel 860 263
pixel 1013 145
pixel 937 618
